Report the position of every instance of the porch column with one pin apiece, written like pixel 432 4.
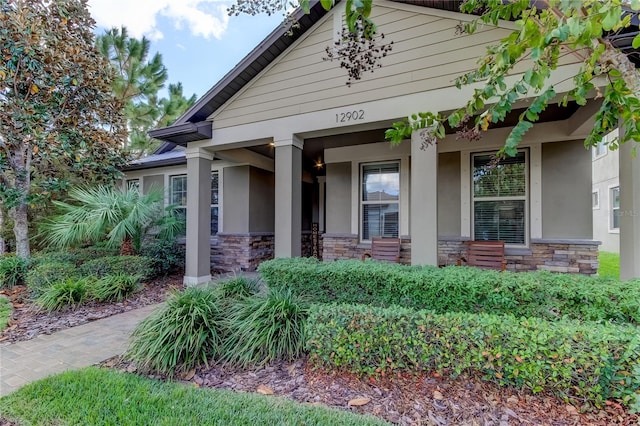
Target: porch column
pixel 288 209
pixel 198 251
pixel 629 212
pixel 424 203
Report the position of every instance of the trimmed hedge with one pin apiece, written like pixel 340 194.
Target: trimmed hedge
pixel 117 265
pixel 572 359
pixel 458 289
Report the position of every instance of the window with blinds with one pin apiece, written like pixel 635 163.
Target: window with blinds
pixel 380 200
pixel 215 203
pixel 500 198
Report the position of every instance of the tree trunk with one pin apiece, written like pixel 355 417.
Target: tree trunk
pixel 21 230
pixel 126 247
pixel 21 164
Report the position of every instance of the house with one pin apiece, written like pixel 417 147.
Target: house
pixel 280 158
pixel 605 196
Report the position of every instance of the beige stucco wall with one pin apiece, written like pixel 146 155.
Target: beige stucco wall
pixel 261 201
pixel 152 181
pixel 448 194
pixel 235 209
pixel 605 171
pixel 338 198
pixel 566 190
pixel 427 54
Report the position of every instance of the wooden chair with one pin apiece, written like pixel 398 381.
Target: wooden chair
pixel 386 249
pixel 485 254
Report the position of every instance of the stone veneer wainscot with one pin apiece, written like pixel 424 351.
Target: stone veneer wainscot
pixel 571 256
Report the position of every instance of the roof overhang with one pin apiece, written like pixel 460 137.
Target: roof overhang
pixel 182 133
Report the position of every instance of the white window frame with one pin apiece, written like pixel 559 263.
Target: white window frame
pixel 612 230
pixel 132 182
pixel 596 205
pixel 362 203
pixel 172 178
pixel 218 205
pixel 600 145
pixel 525 197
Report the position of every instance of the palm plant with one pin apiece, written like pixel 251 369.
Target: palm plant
pixel 120 216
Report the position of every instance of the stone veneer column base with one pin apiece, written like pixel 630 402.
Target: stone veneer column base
pixel 240 252
pixel 555 255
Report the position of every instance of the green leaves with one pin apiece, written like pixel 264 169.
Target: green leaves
pixel 572 359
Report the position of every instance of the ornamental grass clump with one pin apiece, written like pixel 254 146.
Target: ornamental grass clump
pixel 263 329
pixel 12 270
pixel 237 288
pixel 68 292
pixel 115 287
pixel 182 334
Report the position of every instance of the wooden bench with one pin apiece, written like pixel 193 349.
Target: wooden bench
pixel 485 254
pixel 386 249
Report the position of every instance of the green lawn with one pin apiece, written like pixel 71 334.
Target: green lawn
pixel 5 312
pixel 609 264
pixel 96 396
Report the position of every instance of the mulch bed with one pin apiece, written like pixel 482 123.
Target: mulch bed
pixel 27 321
pixel 407 400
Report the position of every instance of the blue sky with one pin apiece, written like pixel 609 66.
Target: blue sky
pixel 199 43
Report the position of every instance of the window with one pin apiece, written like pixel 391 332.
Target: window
pixel 179 195
pixel 133 183
pixel 595 199
pixel 380 200
pixel 600 149
pixel 215 203
pixel 179 198
pixel 615 208
pixel 500 199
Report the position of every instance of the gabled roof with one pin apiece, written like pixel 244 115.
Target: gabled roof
pixel 187 127
pixel 192 125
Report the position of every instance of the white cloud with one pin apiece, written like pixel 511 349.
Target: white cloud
pixel 204 18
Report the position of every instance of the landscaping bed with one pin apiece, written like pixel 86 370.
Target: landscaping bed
pixel 28 320
pixel 403 399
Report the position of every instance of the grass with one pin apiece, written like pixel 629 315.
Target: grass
pixel 98 396
pixel 5 312
pixel 609 264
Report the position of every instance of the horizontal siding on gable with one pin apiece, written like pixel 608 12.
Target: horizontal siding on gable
pixel 427 54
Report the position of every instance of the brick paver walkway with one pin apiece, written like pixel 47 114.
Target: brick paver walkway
pixel 76 347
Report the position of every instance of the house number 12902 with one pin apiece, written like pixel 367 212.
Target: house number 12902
pixel 345 117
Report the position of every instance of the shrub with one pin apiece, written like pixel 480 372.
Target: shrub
pixel 458 289
pixel 236 288
pixel 168 255
pixel 5 311
pixel 114 265
pixel 85 254
pixel 115 287
pixel 12 270
pixel 58 295
pixel 43 257
pixel 180 335
pixel 42 275
pixel 578 360
pixel 264 329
